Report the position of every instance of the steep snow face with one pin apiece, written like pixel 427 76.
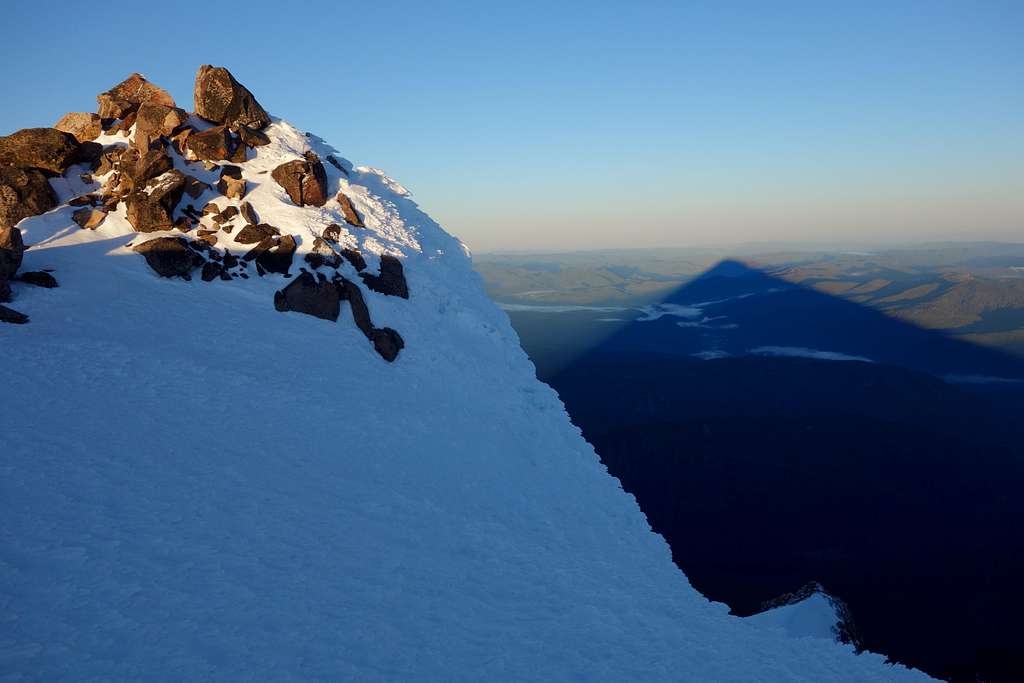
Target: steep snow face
pixel 197 486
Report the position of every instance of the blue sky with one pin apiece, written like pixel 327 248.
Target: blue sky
pixel 542 125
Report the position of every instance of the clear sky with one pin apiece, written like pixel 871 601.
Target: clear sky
pixel 540 125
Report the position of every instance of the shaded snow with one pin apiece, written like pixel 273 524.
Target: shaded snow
pixel 802 352
pixel 196 486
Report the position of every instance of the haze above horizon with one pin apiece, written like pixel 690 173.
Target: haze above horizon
pixel 549 126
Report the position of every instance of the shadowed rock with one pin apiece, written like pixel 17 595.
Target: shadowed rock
pixel 125 97
pixel 11 251
pixel 278 259
pixel 153 210
pixel 39 278
pixel 305 181
pixel 170 256
pixel 24 192
pixel 9 315
pixel 252 137
pixel 311 295
pixel 391 280
pixel 251 234
pixel 222 99
pixel 323 255
pixel 46 149
pixel 142 167
pixel 5 291
pixel 387 342
pixel 231 183
pixel 351 217
pixel 215 144
pixel 83 125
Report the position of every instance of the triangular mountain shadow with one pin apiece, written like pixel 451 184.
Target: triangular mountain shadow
pixel 766 466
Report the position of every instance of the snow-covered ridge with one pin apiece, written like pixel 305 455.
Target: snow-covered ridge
pixel 197 486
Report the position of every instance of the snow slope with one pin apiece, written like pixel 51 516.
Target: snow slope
pixel 196 486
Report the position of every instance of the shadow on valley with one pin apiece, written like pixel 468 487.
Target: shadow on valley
pixel 776 435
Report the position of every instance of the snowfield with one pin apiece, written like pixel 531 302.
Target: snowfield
pixel 194 486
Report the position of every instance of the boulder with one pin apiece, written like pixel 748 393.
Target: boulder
pixel 387 343
pixel 47 149
pixel 24 192
pixel 231 183
pixel 249 214
pixel 351 217
pixel 155 119
pixel 222 99
pixel 391 280
pixel 125 97
pixel 278 259
pixel 83 125
pixel 322 254
pixel 39 278
pixel 153 209
pixel 251 234
pixel 9 315
pixel 89 218
pixel 170 256
pixel 214 144
pixel 305 181
pixel 311 295
pixel 252 137
pixel 11 251
pixel 142 167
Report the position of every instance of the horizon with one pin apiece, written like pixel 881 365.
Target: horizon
pixel 690 126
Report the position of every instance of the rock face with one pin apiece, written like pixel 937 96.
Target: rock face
pixel 310 295
pixel 125 97
pixel 11 250
pixel 215 144
pixel 304 181
pixel 46 149
pixel 84 126
pixel 153 210
pixel 170 256
pixel 391 280
pixel 222 99
pixel 351 217
pixel 23 193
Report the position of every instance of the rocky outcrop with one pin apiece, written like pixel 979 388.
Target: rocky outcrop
pixel 170 256
pixel 214 144
pixel 305 181
pixel 221 99
pixel 126 97
pixel 312 295
pixel 391 280
pixel 23 193
pixel 152 209
pixel 11 251
pixel 351 217
pixel 83 125
pixel 47 149
pixel 231 183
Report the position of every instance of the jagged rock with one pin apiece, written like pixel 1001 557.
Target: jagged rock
pixel 249 214
pixel 209 239
pixel 336 164
pixel 211 270
pixel 215 144
pixel 262 247
pixel 332 233
pixel 355 258
pixel 179 141
pixel 39 278
pixel 110 159
pixel 305 181
pixel 323 255
pixel 153 209
pixel 11 251
pixel 89 153
pixel 140 168
pixel 154 119
pixel 9 315
pixel 387 343
pixel 89 218
pixel 311 295
pixel 194 187
pixel 240 155
pixel 24 192
pixel 251 234
pixel 252 137
pixel 229 212
pixel 351 217
pixel 47 149
pixel 83 125
pixel 83 200
pixel 5 291
pixel 391 280
pixel 278 259
pixel 222 99
pixel 230 260
pixel 125 97
pixel 170 256
pixel 360 313
pixel 231 183
pixel 210 209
